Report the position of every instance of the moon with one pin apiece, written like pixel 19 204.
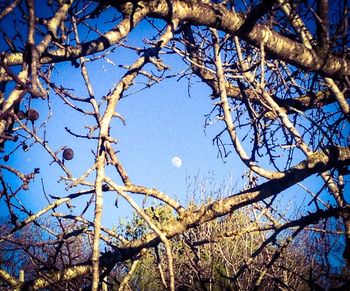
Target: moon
pixel 176 161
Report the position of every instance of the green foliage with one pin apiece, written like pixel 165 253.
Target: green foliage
pixel 205 256
pixel 137 227
pixel 209 256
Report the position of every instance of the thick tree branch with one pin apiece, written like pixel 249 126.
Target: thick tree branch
pixel 281 47
pixel 99 44
pixel 318 162
pixel 302 103
pixel 212 15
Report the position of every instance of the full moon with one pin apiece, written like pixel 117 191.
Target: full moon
pixel 177 162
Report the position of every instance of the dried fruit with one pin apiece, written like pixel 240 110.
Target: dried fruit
pixel 32 115
pixel 21 115
pixel 68 154
pixel 25 147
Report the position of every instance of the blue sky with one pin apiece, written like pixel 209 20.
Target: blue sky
pixel 161 122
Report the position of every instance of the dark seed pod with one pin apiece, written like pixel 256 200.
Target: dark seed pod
pixel 6 158
pixel 21 115
pixel 68 154
pixel 32 115
pixel 25 147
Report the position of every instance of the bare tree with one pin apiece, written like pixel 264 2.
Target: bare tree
pixel 279 75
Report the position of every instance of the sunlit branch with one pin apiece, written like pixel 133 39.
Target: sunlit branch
pixel 51 206
pixel 279 76
pixel 9 8
pixel 130 187
pixel 85 75
pixel 112 99
pixel 33 217
pixel 228 119
pixel 284 119
pixel 89 223
pixel 160 268
pixel 210 15
pixel 318 162
pixel 65 275
pixel 152 225
pixel 301 103
pixel 31 49
pixel 124 284
pixel 312 218
pixel 23 177
pixel 155 194
pixel 116 163
pixel 8 278
pixel 110 38
pixel 307 38
pixel 215 16
pixel 47 148
pixel 301 29
pixel 81 179
pixel 17 93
